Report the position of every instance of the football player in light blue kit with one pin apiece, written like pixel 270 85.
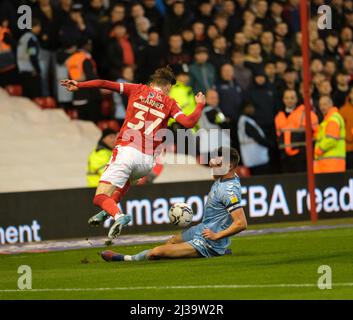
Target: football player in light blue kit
pixel 223 218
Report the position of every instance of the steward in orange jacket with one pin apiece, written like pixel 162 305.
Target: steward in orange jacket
pixel 290 129
pixel 81 67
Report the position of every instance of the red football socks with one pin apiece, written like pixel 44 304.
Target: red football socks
pixel 119 193
pixel 106 203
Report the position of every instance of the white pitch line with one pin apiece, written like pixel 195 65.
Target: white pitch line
pixel 231 286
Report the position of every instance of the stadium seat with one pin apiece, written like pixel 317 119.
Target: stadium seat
pixel 112 124
pixel 45 102
pixel 14 90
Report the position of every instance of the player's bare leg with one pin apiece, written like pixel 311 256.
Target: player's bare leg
pixel 177 238
pixel 166 251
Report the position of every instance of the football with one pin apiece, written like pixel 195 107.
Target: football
pixel 180 214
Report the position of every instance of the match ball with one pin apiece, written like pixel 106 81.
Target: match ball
pixel 180 214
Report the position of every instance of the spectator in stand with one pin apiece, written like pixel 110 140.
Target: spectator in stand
pixel 212 117
pixel 291 15
pixel 219 54
pixel 242 75
pixel 341 90
pixel 64 97
pixel 316 66
pixel 198 29
pixel 28 53
pixel 178 19
pixel 63 11
pixel 347 114
pixel 281 34
pixel 272 80
pixel 267 41
pixel 332 42
pixel 120 101
pixel 96 16
pixel 96 13
pixel 262 97
pixel 253 59
pixel 82 67
pixel 151 57
pixel 202 73
pixel 330 145
pixel 318 49
pixel 231 97
pixel 325 88
pixel 297 62
pixel 189 41
pixel 254 146
pixel 77 28
pixel 8 72
pixel 136 11
pixel 288 81
pixel 240 41
pixel 348 66
pixel 221 21
pixel 176 54
pixel 279 50
pixel 234 21
pixel 140 39
pixel 99 157
pixel 281 67
pixel 249 32
pixel 48 40
pixel 153 14
pixel 275 15
pixel 261 8
pixel 183 95
pixel 117 15
pixel 205 11
pixel 119 51
pixel 242 5
pixel 346 39
pixel 330 69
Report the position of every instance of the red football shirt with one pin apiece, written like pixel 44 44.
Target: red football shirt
pixel 148 111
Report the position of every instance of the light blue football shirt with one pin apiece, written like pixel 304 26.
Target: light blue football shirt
pixel 223 198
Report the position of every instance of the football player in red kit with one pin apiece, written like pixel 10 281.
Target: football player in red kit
pixel 148 111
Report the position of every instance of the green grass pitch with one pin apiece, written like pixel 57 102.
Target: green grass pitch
pixel 272 266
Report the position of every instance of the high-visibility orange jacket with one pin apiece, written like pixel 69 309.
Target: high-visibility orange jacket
pixel 75 63
pixel 291 129
pixel 330 146
pixel 3 45
pixel 347 114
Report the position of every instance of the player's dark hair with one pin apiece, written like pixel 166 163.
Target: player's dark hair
pixel 233 154
pixel 163 76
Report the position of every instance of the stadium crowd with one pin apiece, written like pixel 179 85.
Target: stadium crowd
pixel 245 55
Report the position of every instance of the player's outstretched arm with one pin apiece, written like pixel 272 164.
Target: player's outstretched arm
pixel 72 85
pixel 239 224
pixel 191 120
